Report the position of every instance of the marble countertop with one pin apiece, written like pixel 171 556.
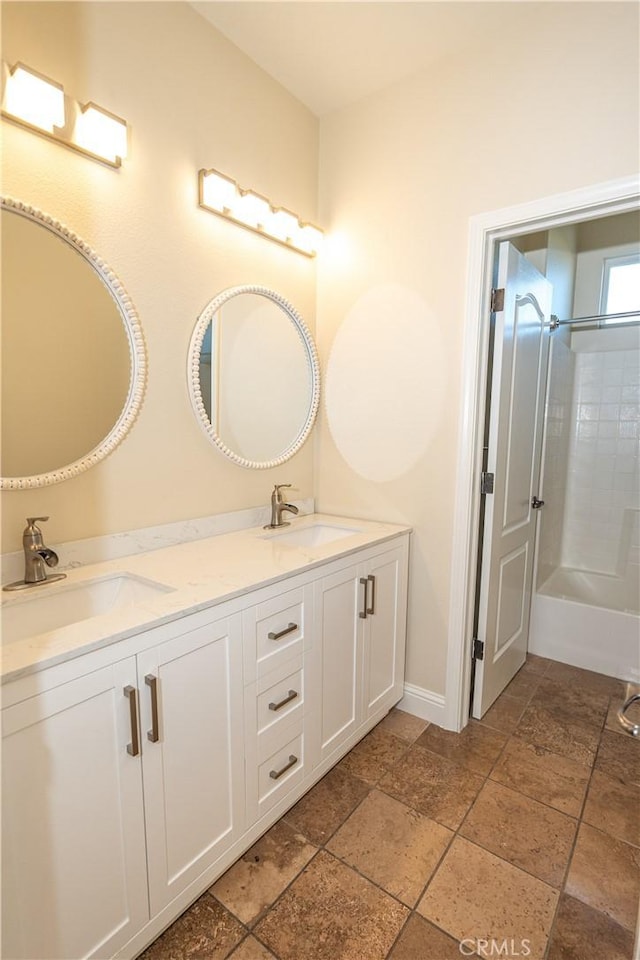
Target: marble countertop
pixel 199 574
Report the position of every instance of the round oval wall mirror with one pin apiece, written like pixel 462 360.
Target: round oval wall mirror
pixel 73 356
pixel 254 377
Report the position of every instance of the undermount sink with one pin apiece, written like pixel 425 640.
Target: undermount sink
pixel 312 536
pixel 63 604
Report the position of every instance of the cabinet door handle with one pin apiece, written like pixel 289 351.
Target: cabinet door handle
pixel 152 682
pixel 276 774
pixel 281 703
pixel 372 581
pixel 282 633
pixel 363 613
pixel 133 748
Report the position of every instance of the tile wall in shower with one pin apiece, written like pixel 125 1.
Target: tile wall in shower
pixel 603 481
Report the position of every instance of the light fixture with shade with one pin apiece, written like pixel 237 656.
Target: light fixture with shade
pixel 251 209
pixel 220 194
pixel 284 225
pixel 217 192
pixel 38 103
pixel 309 238
pixel 101 133
pixel 34 99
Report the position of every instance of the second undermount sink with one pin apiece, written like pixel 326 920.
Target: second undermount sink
pixel 315 535
pixel 63 604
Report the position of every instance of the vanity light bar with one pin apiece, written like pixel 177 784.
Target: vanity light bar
pixel 222 195
pixel 101 133
pixel 34 98
pixel 39 104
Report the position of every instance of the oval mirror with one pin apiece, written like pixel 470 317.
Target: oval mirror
pixel 73 357
pixel 254 377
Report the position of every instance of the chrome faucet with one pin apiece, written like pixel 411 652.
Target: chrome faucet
pixel 37 558
pixel 278 507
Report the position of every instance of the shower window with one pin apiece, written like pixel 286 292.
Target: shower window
pixel 621 286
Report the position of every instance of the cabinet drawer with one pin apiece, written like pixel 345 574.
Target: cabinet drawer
pixel 274 632
pixel 280 772
pixel 280 701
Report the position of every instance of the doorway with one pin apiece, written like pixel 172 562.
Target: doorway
pixel 485 232
pixel 510 506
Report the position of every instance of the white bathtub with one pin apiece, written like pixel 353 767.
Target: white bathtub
pixel 590 620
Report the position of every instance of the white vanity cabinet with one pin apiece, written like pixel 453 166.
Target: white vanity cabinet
pixel 120 788
pixel 357 667
pixel 74 873
pixel 192 748
pixel 136 773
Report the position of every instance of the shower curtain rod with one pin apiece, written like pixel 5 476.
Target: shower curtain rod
pixel 555 322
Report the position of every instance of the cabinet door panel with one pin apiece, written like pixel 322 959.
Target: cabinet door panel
pixel 73 867
pixel 335 673
pixel 383 647
pixel 193 773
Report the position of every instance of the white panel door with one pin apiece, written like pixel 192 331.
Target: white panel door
pixel 384 632
pixel 74 878
pixel 194 770
pixel 334 678
pixel 515 437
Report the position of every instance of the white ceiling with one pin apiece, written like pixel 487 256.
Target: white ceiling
pixel 329 54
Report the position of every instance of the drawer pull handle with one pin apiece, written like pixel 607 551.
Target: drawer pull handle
pixel 133 748
pixel 276 774
pixel 363 613
pixel 281 703
pixel 152 682
pixel 282 633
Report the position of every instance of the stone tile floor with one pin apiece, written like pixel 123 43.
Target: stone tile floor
pixel 521 835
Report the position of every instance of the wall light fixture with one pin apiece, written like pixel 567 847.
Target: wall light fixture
pixel 34 98
pixel 40 104
pixel 101 133
pixel 222 195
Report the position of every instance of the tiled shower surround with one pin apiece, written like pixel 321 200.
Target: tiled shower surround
pixel 603 482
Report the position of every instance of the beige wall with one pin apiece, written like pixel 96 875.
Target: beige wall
pixel 608 232
pixel 192 100
pixel 551 108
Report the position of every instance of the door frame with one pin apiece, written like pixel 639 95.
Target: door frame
pixel 576 206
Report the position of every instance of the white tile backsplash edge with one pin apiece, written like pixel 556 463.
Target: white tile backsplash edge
pixel 79 553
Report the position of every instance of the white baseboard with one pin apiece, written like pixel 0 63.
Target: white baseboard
pixel 423 703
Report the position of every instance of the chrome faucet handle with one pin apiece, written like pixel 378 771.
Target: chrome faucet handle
pixel 31 521
pixel 277 487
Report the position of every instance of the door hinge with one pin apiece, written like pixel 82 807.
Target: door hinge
pixel 486 483
pixel 497 299
pixel 478 649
